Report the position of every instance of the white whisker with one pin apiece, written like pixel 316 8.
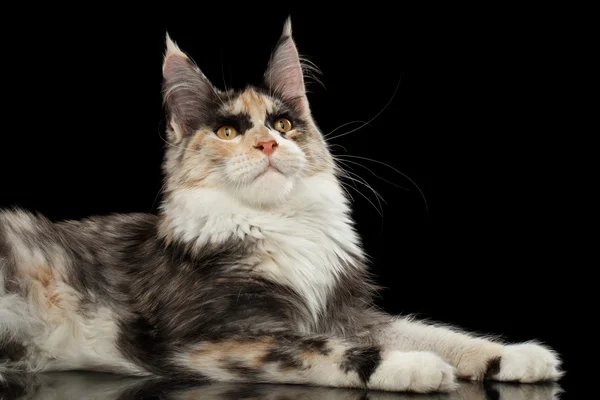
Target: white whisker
pixel 224 82
pixel 343 125
pixel 345 174
pixel 370 170
pixel 362 181
pixel 336 145
pixel 378 197
pixel 399 172
pixel 162 187
pixel 366 198
pixel 376 115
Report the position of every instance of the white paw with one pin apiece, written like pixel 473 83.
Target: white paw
pixel 528 362
pixel 421 372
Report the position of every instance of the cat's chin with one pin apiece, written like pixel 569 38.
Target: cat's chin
pixel 269 188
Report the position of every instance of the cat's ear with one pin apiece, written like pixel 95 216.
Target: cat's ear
pixel 284 74
pixel 187 94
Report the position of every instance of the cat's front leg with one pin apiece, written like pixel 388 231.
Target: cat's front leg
pixel 473 357
pixel 314 360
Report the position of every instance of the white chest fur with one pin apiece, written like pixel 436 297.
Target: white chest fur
pixel 305 243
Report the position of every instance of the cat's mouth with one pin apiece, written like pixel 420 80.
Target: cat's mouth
pixel 269 169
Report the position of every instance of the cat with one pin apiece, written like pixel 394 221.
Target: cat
pixel 251 271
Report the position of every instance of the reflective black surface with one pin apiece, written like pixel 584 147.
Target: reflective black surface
pixel 76 386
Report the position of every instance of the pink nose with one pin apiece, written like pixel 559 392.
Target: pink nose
pixel 267 147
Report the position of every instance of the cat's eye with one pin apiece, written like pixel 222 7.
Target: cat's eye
pixel 282 125
pixel 226 132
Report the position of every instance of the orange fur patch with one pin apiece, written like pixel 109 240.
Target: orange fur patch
pixel 220 148
pixel 252 351
pixel 252 103
pixel 229 348
pixel 43 285
pixel 193 172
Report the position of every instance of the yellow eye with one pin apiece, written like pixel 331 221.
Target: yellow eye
pixel 226 132
pixel 283 125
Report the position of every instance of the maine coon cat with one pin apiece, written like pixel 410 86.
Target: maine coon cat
pixel 251 272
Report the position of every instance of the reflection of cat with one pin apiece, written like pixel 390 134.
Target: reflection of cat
pixel 252 272
pixel 76 386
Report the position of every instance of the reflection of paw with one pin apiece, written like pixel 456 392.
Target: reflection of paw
pixel 421 372
pixel 512 391
pixel 527 362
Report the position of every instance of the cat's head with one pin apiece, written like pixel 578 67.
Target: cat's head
pixel 255 144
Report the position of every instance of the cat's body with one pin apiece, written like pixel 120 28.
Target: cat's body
pixel 110 278
pixel 251 272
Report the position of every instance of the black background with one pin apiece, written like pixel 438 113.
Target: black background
pixel 471 124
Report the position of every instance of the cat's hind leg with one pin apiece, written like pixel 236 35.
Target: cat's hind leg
pixel 314 360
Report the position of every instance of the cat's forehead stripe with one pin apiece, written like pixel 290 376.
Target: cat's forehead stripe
pixel 252 103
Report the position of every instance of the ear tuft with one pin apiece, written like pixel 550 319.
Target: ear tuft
pixel 173 56
pixel 187 93
pixel 287 27
pixel 284 75
pixel 171 45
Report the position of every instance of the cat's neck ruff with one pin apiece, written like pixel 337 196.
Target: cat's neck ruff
pixel 208 216
pixel 309 240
